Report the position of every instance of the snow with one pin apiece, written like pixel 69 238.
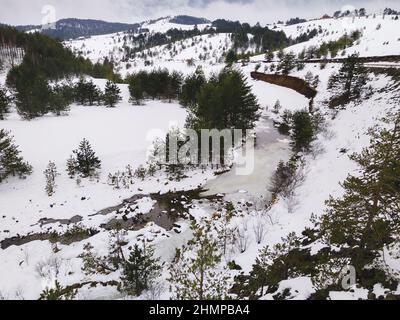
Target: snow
pixel 299 288
pixel 120 136
pixel 375 41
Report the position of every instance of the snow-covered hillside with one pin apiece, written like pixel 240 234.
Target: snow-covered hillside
pixel 380 35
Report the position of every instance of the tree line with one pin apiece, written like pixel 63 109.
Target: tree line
pixel 57 98
pixel 45 59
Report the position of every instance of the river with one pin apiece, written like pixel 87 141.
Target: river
pixel 271 147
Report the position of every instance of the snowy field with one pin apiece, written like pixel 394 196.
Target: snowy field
pixel 120 136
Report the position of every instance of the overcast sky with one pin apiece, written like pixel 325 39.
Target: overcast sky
pixel 264 11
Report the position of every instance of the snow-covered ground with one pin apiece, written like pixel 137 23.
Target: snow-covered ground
pixel 380 35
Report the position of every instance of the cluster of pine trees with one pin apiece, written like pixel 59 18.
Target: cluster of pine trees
pixel 262 38
pixel 56 99
pixel 156 84
pixel 332 48
pixel 88 93
pixel 225 101
pixel 45 59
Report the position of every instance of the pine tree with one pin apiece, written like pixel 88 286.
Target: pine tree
pixel 4 102
pixel 50 174
pixel 302 131
pixel 112 94
pixel 80 91
pixel 174 85
pixel 32 99
pixel 368 214
pixel 270 56
pixel 86 160
pixel 86 92
pixel 231 57
pixel 58 102
pixel 225 102
pixel 139 271
pixel 348 84
pixel 93 93
pixel 309 77
pixel 196 276
pixel 287 63
pixel 11 163
pixel 191 88
pixel 273 266
pixel 72 167
pixel 58 293
pixel 277 107
pixel 136 89
pixel 283 178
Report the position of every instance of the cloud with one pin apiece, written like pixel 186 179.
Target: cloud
pixel 263 11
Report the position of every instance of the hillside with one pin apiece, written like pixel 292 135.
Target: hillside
pixel 379 36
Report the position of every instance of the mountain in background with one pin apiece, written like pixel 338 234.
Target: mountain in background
pixel 76 28
pixel 189 20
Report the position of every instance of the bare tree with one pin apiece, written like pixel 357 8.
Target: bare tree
pixel 242 240
pixel 259 231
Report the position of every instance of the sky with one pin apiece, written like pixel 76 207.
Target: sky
pixel 17 12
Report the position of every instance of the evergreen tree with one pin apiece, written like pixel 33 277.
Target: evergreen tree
pixel 4 102
pixel 11 163
pixel 136 89
pixel 93 93
pixel 347 85
pixel 80 91
pixel 174 85
pixel 71 167
pixel 226 102
pixel 277 107
pixel 302 131
pixel 270 55
pixel 283 178
pixel 231 57
pixel 87 93
pixel 286 123
pixel 112 94
pixel 287 63
pixel 32 100
pixel 368 214
pixel 273 266
pixel 191 88
pixel 85 160
pixel 58 102
pixel 58 293
pixel 50 174
pixel 196 276
pixel 139 271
